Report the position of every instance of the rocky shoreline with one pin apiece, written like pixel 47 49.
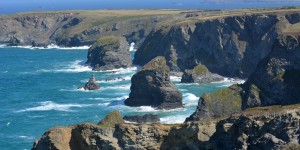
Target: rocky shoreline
pixel 264 47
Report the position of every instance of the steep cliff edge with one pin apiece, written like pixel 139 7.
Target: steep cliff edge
pixel 78 28
pixel 275 127
pixel 275 81
pixel 227 45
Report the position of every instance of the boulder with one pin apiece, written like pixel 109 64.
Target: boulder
pixel 200 74
pixel 91 84
pixel 109 53
pixel 147 118
pixel 112 119
pixel 151 86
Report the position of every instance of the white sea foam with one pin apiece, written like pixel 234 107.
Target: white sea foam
pixel 8 123
pixel 190 97
pixel 51 46
pixel 49 105
pixel 131 48
pixel 26 137
pixel 127 87
pixel 175 78
pixel 126 78
pixel 110 99
pixel 231 80
pixel 103 104
pixel 174 119
pixel 72 67
pixel 122 70
pixel 3 45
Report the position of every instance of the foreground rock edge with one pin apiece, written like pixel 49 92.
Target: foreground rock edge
pixel 274 127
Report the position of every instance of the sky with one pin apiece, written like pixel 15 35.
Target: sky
pixel 14 6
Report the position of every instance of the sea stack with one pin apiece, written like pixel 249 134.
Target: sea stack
pixel 200 74
pixel 109 53
pixel 91 84
pixel 151 86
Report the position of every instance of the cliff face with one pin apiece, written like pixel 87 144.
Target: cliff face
pixel 275 81
pixel 276 78
pixel 78 28
pixel 230 46
pixel 261 128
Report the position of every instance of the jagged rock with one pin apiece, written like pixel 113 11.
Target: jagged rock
pixel 151 86
pixel 200 74
pixel 91 84
pixel 230 46
pixel 147 118
pixel 109 53
pixel 112 119
pixel 222 103
pixel 275 127
pixel 275 80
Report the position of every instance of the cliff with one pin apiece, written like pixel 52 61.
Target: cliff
pixel 78 28
pixel 275 81
pixel 227 44
pixel 274 127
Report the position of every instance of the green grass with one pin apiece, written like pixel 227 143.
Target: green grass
pixel 157 63
pixel 200 70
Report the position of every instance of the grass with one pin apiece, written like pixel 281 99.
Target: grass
pixel 157 63
pixel 200 70
pixel 223 102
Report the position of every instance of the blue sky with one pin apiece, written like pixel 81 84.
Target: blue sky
pixel 13 6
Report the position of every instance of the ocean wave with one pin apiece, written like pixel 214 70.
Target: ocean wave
pixel 51 46
pixel 126 86
pixel 190 97
pixel 175 78
pixel 231 80
pixel 126 78
pixel 174 119
pixel 50 105
pixel 110 99
pixel 26 137
pixel 122 70
pixel 131 48
pixel 73 67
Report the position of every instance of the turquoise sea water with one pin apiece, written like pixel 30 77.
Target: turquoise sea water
pixel 38 90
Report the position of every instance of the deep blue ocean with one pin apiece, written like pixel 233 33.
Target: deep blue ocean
pixel 38 90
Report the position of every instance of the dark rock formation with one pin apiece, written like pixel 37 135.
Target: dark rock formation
pixel 147 118
pixel 274 127
pixel 112 119
pixel 222 103
pixel 230 46
pixel 91 84
pixel 275 81
pixel 151 86
pixel 79 28
pixel 109 53
pixel 200 74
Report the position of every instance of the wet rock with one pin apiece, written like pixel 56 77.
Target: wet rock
pixel 147 118
pixel 151 86
pixel 200 74
pixel 109 53
pixel 91 84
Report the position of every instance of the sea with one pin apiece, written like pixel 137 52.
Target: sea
pixel 39 90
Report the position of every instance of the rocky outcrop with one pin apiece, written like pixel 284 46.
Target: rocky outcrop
pixel 79 28
pixel 222 103
pixel 274 82
pixel 275 127
pixel 91 84
pixel 147 118
pixel 200 74
pixel 230 46
pixel 112 119
pixel 109 53
pixel 151 86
